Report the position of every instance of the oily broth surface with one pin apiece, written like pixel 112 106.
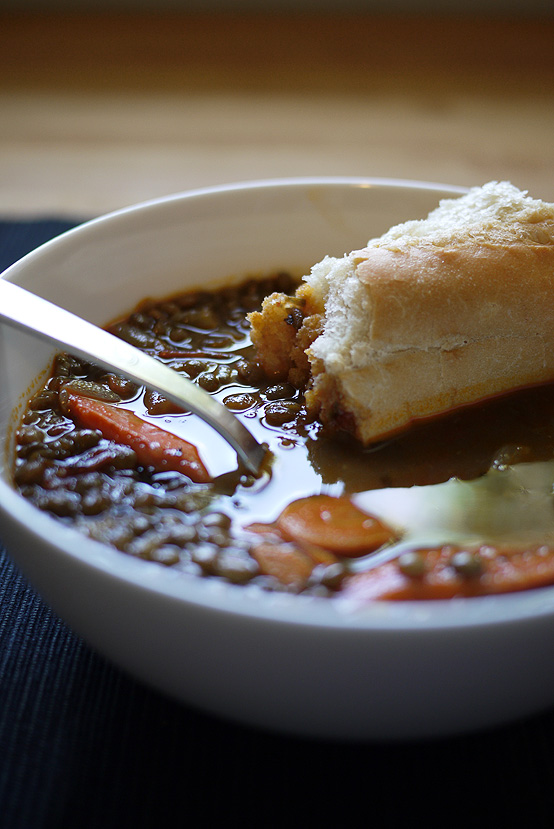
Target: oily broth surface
pixel 484 473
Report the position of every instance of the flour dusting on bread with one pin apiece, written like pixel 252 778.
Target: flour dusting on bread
pixel 435 314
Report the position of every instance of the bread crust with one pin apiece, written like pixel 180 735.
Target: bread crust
pixel 433 315
pixel 458 308
pixel 380 400
pixel 429 297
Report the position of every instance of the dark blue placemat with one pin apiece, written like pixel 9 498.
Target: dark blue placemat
pixel 82 745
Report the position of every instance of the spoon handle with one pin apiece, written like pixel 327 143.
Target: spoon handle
pixel 22 309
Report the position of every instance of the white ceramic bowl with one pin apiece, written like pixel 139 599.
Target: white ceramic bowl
pixel 292 663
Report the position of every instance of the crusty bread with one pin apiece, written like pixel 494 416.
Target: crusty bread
pixel 435 314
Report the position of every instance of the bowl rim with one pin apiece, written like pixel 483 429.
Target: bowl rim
pixel 278 608
pixel 121 213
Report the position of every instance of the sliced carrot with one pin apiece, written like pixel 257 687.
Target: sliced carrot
pixel 335 524
pixel 284 562
pixel 153 446
pixel 499 571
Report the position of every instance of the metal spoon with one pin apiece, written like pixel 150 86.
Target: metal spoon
pixel 22 309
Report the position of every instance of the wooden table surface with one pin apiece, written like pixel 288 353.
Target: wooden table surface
pixel 100 111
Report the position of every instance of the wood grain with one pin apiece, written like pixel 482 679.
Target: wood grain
pixel 100 111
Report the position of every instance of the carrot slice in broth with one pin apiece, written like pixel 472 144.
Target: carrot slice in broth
pixel 333 523
pixel 153 446
pixel 285 562
pixel 448 572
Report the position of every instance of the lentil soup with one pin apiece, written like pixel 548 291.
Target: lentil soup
pixel 460 507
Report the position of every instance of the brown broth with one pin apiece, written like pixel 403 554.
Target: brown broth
pixel 481 475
